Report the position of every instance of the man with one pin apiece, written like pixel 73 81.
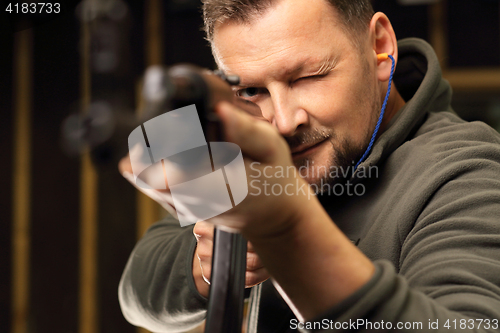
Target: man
pixel 417 249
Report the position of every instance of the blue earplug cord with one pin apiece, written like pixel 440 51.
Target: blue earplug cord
pixel 384 105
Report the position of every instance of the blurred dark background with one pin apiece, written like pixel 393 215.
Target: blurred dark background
pixel 68 225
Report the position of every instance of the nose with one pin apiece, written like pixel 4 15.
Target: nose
pixel 284 110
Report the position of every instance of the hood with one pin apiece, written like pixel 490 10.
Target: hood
pixel 419 80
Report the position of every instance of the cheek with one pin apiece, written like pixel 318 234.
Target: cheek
pixel 340 106
pixel 323 102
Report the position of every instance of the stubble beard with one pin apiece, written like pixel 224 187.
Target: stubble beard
pixel 339 167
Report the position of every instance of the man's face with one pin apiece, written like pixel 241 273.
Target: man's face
pixel 299 66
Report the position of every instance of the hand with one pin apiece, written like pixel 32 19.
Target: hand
pixel 163 197
pixel 263 148
pixel 263 214
pixel 202 261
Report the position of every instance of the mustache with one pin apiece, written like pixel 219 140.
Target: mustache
pixel 310 137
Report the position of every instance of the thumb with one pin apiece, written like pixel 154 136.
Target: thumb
pixel 257 139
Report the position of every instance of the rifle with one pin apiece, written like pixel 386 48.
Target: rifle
pixel 192 85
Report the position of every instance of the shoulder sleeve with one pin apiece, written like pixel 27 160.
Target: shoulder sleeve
pixel 448 279
pixel 157 289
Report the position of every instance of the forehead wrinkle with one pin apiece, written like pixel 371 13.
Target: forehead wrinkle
pixel 248 57
pixel 306 66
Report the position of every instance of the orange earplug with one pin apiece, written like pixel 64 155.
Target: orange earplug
pixel 382 56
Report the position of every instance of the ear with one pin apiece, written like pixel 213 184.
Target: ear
pixel 383 40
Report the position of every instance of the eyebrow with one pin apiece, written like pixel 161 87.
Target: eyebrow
pixel 326 65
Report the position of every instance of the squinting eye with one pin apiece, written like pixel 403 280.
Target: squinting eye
pixel 319 76
pixel 248 92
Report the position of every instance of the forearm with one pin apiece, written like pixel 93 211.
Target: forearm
pixel 156 290
pixel 322 266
